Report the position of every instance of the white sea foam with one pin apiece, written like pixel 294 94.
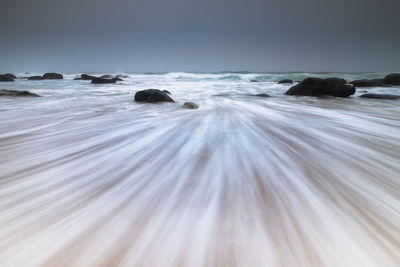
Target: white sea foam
pixel 90 178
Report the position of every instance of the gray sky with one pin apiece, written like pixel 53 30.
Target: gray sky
pixel 201 35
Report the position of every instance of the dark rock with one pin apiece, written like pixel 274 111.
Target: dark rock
pixel 53 76
pixel 35 78
pixel 254 95
pixel 318 87
pixel 6 78
pixel 393 79
pixel 262 95
pixel 14 93
pixel 11 75
pixel 368 83
pixel 190 105
pixel 103 81
pixel 286 81
pixel 86 77
pixel 223 94
pixel 258 95
pixel 152 96
pixel 381 96
pixel 254 81
pixel 167 92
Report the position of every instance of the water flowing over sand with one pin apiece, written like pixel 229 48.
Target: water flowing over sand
pixel 90 178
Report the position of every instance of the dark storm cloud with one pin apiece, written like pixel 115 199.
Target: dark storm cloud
pixel 177 35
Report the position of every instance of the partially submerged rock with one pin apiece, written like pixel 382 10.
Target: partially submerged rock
pixel 286 81
pixel 36 78
pixel 11 75
pixel 319 87
pixel 6 78
pixel 152 96
pixel 393 79
pixel 167 92
pixel 86 77
pixel 47 76
pixel 368 83
pixel 15 93
pixel 262 95
pixel 381 96
pixel 53 76
pixel 190 105
pixel 254 81
pixel 258 95
pixel 104 81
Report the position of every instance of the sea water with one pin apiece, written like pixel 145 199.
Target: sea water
pixel 88 177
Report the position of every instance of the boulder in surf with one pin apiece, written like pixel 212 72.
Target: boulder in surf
pixel 36 78
pixel 381 96
pixel 152 96
pixel 104 81
pixel 86 77
pixel 319 87
pixel 190 105
pixel 53 76
pixel 14 93
pixel 393 79
pixel 6 78
pixel 11 75
pixel 286 81
pixel 368 83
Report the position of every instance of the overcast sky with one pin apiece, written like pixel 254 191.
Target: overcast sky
pixel 201 35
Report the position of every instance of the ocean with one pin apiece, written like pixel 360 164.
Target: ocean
pixel 88 177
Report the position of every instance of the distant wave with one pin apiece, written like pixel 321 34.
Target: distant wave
pixel 229 76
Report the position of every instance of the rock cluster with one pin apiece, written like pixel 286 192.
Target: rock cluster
pixel 388 80
pixel 104 79
pixel 47 76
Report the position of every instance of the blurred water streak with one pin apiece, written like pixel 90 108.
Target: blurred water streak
pixel 89 178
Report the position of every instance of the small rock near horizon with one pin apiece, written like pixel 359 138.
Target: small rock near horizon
pixel 286 81
pixel 53 76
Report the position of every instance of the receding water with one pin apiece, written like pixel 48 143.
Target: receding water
pixel 90 178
